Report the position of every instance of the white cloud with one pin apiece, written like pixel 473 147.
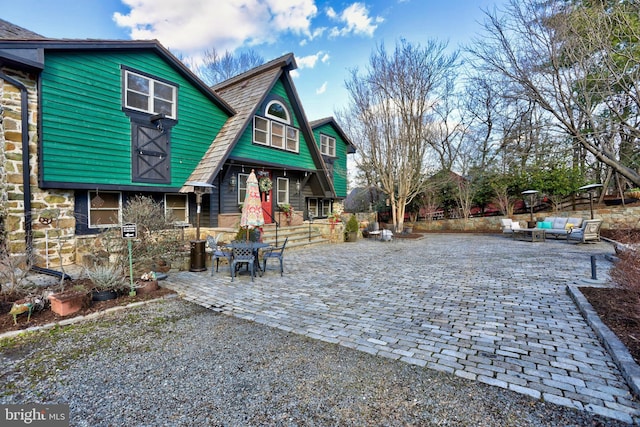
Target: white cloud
pixel 194 25
pixel 322 89
pixel 310 61
pixel 356 20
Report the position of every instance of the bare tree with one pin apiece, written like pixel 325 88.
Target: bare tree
pixel 217 68
pixel 578 62
pixel 392 114
pixel 448 130
pixel 464 194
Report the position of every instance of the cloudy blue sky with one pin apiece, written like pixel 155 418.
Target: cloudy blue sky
pixel 328 37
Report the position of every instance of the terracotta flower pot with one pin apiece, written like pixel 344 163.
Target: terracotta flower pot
pixel 146 286
pixel 67 303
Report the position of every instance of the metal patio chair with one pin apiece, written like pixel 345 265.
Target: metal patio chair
pixel 217 252
pixel 276 252
pixel 243 253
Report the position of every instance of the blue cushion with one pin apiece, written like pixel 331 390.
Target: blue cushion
pixel 545 224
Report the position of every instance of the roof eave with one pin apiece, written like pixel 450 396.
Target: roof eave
pixel 89 44
pixel 331 121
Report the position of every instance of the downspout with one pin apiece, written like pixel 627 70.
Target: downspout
pixel 26 170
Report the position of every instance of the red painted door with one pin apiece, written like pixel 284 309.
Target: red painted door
pixel 267 209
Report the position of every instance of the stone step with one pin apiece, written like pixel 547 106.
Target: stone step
pixel 299 235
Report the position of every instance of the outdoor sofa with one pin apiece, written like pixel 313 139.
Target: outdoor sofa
pixel 576 229
pixel 559 226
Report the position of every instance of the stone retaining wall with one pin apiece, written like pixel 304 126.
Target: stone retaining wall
pixel 613 218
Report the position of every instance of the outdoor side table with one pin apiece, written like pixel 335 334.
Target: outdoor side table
pixel 530 234
pixel 375 234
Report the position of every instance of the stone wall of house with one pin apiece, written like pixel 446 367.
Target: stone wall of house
pixel 51 241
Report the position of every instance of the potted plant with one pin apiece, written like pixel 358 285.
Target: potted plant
pixel 351 229
pixel 254 234
pixel 147 283
pixel 107 281
pixel 288 211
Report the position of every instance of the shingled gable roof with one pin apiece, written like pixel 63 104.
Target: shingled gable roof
pixel 245 93
pixel 330 120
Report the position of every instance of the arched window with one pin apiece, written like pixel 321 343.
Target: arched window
pixel 277 110
pixel 275 129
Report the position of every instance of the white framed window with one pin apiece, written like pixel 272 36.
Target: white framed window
pixel 176 207
pixel 149 95
pixel 105 209
pixel 312 207
pixel 326 208
pixel 260 130
pixel 327 145
pixel 292 139
pixel 242 187
pixel 282 190
pixel 277 110
pixel 277 135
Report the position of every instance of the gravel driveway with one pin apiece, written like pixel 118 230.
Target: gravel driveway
pixel 173 363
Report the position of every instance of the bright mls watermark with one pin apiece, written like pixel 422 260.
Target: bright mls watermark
pixel 34 415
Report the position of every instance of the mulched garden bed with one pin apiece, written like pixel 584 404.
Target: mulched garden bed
pixel 619 308
pixel 43 317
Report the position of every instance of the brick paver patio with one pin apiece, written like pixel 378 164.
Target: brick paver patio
pixel 482 307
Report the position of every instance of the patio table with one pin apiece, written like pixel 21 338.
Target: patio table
pixel 256 251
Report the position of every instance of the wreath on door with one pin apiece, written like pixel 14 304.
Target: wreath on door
pixel 265 184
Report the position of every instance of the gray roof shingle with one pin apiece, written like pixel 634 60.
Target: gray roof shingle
pixel 243 93
pixel 9 31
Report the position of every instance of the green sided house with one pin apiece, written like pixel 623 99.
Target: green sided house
pixel 269 133
pixel 334 147
pixel 88 124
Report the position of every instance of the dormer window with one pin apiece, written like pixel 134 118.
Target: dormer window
pixel 276 110
pixel 272 130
